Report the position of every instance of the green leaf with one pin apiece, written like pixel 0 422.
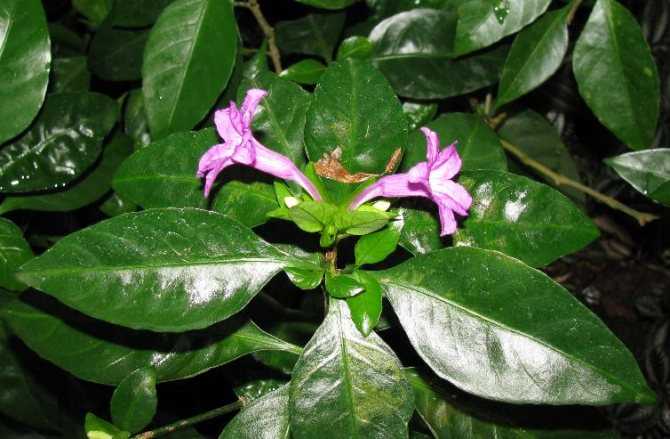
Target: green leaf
pixel 419 114
pixel 414 50
pixel 327 4
pixel 647 171
pixel 23 398
pixel 477 144
pixel 295 332
pixel 536 54
pixel 530 339
pixel 115 205
pixel 536 137
pixel 116 54
pixel 88 189
pixel 135 122
pixel 348 385
pixel 182 78
pixel 312 216
pixel 24 64
pixel 305 279
pixel 160 269
pixel 342 286
pixel 377 246
pixel 279 122
pixel 134 401
pixel 355 109
pixel 308 71
pixel 106 354
pixel 522 218
pixel 246 200
pixel 136 13
pixel 14 252
pixel 94 10
pixel 616 74
pixel 420 231
pixel 65 140
pixel 313 34
pixel 355 47
pixel 97 428
pixel 69 75
pixel 366 308
pixel 253 389
pixel 479 26
pixel 264 418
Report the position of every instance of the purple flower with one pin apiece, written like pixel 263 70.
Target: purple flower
pixel 240 147
pixel 429 179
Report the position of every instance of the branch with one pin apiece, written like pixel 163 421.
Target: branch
pixel 268 31
pixel 170 428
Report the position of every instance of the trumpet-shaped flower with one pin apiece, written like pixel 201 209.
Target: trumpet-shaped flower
pixel 240 147
pixel 430 179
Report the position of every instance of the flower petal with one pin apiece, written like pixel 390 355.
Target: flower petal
pixel 229 124
pixel 214 172
pixel 453 195
pixel 251 101
pixel 447 220
pixel 432 144
pixel 447 165
pixel 391 186
pixel 213 155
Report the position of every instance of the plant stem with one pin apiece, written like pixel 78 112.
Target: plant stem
pixel 573 10
pixel 170 428
pixel 268 31
pixel 561 180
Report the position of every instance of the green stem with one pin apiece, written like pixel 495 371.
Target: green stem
pixel 170 428
pixel 573 10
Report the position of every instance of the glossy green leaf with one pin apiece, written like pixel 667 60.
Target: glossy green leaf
pixel 264 418
pixel 313 34
pixel 522 218
pixel 135 122
pixel 98 428
pixel 23 398
pixel 355 47
pixel 246 200
pixel 160 269
pixel 327 4
pixel 479 26
pixel 24 64
pixel 477 144
pixel 536 54
pixel 355 109
pixel 69 75
pixel 279 122
pixel 377 246
pixel 499 329
pixel 617 75
pixel 366 308
pixel 65 140
pixel 89 188
pixel 134 401
pixel 106 354
pixel 64 41
pixel 115 205
pixel 420 231
pixel 439 410
pixel 305 279
pixel 414 49
pixel 647 171
pixel 183 77
pixel 307 71
pixel 136 13
pixel 348 385
pixel 94 10
pixel 257 388
pixel 14 252
pixel 536 137
pixel 342 286
pixel 294 332
pixel 419 114
pixel 116 54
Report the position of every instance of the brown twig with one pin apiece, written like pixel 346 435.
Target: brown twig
pixel 268 31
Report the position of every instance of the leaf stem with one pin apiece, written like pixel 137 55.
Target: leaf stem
pixel 170 428
pixel 268 31
pixel 573 10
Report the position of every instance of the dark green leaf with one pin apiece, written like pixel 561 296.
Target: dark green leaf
pixel 160 269
pixel 342 286
pixel 24 64
pixel 97 428
pixel 536 54
pixel 264 418
pixel 65 140
pixel 183 77
pixel 536 137
pixel 303 278
pixel 86 190
pixel 348 385
pixel 94 10
pixel 477 144
pixel 355 109
pixel 522 218
pixel 307 71
pixel 136 13
pixel 366 308
pixel 69 75
pixel 420 231
pixel 355 47
pixel 294 332
pixel 279 122
pixel 313 34
pixel 247 201
pixel 530 340
pixel 64 41
pixel 14 252
pixel 135 122
pixel 256 388
pixel 134 401
pixel 106 354
pixel 328 4
pixel 116 54
pixel 647 171
pixel 479 26
pixel 419 114
pixel 375 247
pixel 616 74
pixel 115 205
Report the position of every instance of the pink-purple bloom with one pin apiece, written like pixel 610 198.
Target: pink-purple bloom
pixel 240 147
pixel 430 179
